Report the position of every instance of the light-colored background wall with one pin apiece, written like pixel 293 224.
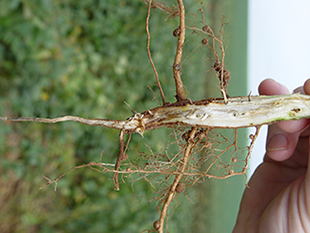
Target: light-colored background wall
pixel 279 48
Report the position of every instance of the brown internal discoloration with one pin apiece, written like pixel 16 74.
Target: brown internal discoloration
pixel 297 110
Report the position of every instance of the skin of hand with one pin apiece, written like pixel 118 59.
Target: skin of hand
pixel 278 197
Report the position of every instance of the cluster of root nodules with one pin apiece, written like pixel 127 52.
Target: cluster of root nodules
pixel 215 154
pixel 215 43
pixel 192 155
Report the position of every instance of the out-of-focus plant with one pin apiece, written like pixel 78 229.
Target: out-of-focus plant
pixel 82 58
pixel 79 61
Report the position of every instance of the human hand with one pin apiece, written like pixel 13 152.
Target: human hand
pixel 278 197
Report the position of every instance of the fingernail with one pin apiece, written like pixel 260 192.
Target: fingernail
pixel 277 142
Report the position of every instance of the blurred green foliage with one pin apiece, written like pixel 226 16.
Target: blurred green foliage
pixel 84 58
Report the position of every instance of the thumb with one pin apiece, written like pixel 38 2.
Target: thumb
pixel 280 144
pixel 307 87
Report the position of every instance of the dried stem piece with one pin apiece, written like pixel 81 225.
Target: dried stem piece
pixel 238 112
pixel 178 56
pixel 149 52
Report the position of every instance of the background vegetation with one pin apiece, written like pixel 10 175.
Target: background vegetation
pixel 85 58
